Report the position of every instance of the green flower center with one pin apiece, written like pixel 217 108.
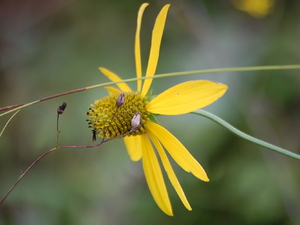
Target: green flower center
pixel 111 117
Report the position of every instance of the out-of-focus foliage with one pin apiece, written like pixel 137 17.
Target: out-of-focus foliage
pixel 56 46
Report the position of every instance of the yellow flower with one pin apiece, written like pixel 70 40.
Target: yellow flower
pixel 132 114
pixel 256 8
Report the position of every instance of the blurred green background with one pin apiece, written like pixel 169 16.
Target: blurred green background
pixel 48 47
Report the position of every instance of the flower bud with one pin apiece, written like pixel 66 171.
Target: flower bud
pixel 62 108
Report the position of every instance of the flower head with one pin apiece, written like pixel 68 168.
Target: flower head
pixel 129 114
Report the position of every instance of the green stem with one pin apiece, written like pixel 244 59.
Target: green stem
pixel 8 122
pixel 13 108
pixel 220 70
pixel 232 69
pixel 245 136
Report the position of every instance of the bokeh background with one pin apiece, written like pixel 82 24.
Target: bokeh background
pixel 48 47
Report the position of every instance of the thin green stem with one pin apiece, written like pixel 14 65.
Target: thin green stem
pixel 245 136
pixel 8 122
pixel 220 70
pixel 57 130
pixel 13 108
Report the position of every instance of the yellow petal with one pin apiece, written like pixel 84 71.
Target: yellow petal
pixel 186 97
pixel 154 177
pixel 170 172
pixel 178 152
pixel 256 8
pixel 113 77
pixel 155 47
pixel 137 46
pixel 134 147
pixel 112 90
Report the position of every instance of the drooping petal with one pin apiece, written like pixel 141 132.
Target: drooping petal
pixel 178 152
pixel 137 46
pixel 186 97
pixel 155 47
pixel 154 177
pixel 134 147
pixel 170 172
pixel 113 77
pixel 112 90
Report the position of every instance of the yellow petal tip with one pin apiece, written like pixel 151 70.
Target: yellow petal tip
pixel 169 213
pixel 203 178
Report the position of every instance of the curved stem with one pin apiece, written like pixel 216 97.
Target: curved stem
pixel 51 150
pixel 39 158
pixel 245 136
pixel 23 174
pixel 8 122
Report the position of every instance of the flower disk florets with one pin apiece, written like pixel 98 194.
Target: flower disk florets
pixel 111 120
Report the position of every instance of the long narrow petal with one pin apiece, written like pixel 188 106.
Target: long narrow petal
pixel 170 172
pixel 178 152
pixel 186 97
pixel 137 46
pixel 134 147
pixel 112 90
pixel 155 47
pixel 113 77
pixel 155 178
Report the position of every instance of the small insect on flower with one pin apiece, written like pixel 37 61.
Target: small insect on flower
pixel 136 121
pixel 120 100
pixel 94 135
